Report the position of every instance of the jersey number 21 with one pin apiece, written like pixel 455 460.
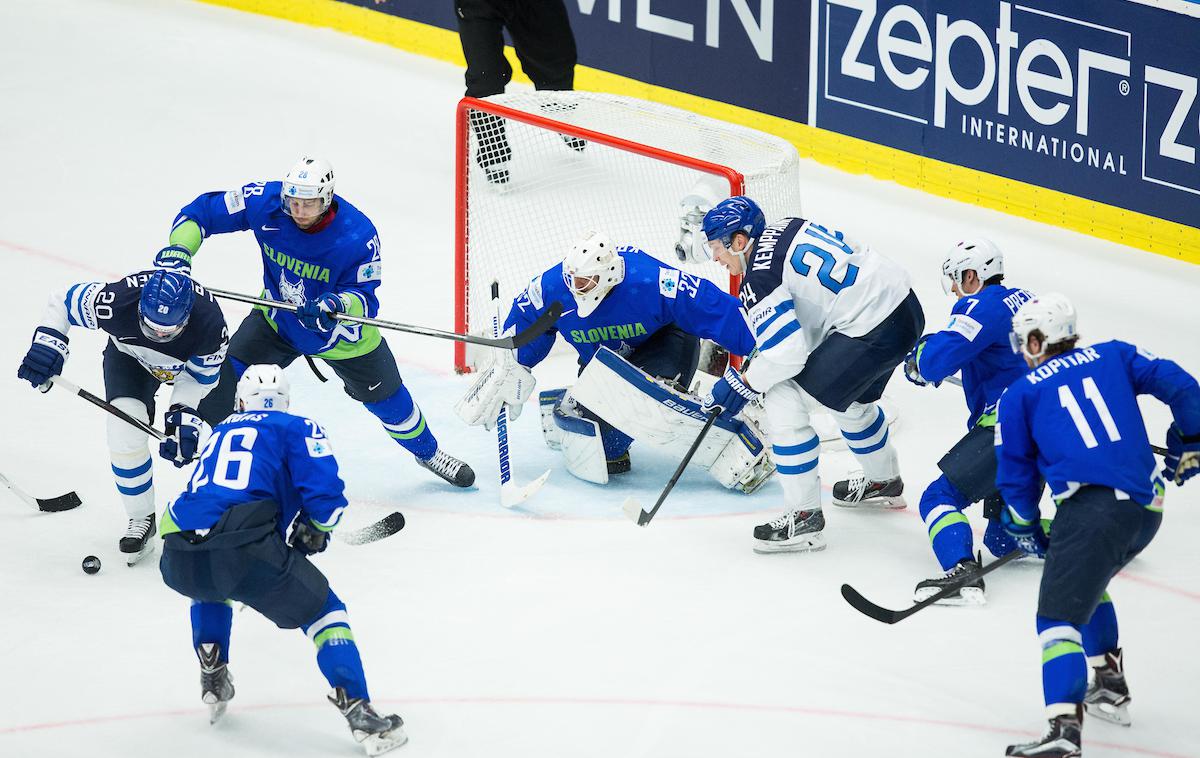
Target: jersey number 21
pixel 832 245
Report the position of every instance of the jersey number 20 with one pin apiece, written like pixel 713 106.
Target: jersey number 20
pixel 827 257
pixel 232 467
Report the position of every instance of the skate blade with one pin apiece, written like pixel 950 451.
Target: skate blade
pixel 132 559
pixel 216 711
pixel 806 544
pixel 377 744
pixel 968 596
pixel 1113 714
pixel 875 504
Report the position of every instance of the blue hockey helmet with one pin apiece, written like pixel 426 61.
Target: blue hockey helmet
pixel 735 214
pixel 165 305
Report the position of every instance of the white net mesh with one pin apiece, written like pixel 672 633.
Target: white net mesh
pixel 531 191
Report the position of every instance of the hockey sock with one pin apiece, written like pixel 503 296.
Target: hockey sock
pixel 132 467
pixel 211 622
pixel 337 655
pixel 1064 667
pixel 866 432
pixel 948 529
pixel 404 422
pixel 1100 632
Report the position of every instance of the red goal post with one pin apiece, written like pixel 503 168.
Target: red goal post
pixel 535 171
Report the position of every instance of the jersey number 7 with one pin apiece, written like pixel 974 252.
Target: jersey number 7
pixel 833 246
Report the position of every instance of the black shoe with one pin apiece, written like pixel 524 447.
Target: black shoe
pixel 793 532
pixel 216 684
pixel 620 464
pixel 857 492
pixel 377 733
pixel 970 593
pixel 449 468
pixel 137 534
pixel 1062 740
pixel 1107 696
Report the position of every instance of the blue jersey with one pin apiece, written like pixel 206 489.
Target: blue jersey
pixel 976 342
pixel 341 258
pixel 263 455
pixel 652 295
pixel 1075 420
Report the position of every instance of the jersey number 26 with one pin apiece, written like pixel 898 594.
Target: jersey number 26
pixel 231 469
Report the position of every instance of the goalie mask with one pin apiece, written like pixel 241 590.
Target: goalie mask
pixel 979 255
pixel 591 269
pixel 310 179
pixel 263 387
pixel 1050 315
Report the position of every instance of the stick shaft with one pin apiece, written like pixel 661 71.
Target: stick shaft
pixel 712 417
pixel 109 407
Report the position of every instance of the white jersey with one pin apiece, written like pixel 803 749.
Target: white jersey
pixel 804 282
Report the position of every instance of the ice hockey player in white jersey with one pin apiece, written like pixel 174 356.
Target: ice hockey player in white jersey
pixel 832 319
pixel 162 328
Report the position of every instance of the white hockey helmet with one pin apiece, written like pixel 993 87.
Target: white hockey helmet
pixel 977 254
pixel 263 387
pixel 309 178
pixel 592 268
pixel 1051 315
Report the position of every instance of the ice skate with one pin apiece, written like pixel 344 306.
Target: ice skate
pixel 1062 740
pixel 216 684
pixel 970 593
pixel 857 492
pixel 793 532
pixel 1107 696
pixel 138 541
pixel 378 734
pixel 449 468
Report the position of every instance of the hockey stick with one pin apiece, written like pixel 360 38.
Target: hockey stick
pixel 879 613
pixel 958 383
pixel 46 505
pixel 58 381
pixel 511 495
pixel 520 339
pixel 384 527
pixel 633 509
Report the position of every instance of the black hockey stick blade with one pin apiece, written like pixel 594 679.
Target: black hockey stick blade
pixel 540 326
pixel 888 616
pixel 381 529
pixel 45 504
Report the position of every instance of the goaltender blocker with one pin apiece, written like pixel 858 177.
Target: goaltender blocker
pixel 636 326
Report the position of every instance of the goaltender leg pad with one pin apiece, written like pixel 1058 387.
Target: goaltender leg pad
pixel 648 411
pixel 582 446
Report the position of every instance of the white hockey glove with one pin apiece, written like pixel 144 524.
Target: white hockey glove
pixel 504 382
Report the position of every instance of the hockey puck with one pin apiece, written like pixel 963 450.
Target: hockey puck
pixel 91 564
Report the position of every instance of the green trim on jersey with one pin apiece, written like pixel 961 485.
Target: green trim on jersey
pixel 187 235
pixel 166 524
pixel 368 340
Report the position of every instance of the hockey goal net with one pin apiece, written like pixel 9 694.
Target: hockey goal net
pixel 538 170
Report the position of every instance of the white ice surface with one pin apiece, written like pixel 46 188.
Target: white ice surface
pixel 555 630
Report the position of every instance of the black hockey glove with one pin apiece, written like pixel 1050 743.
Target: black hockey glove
pixel 307 538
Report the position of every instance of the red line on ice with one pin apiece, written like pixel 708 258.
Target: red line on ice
pixel 619 702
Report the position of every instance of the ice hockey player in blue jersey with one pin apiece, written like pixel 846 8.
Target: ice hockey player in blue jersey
pixel 625 311
pixel 162 328
pixel 1074 421
pixel 226 538
pixel 975 342
pixel 321 254
pixel 831 318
